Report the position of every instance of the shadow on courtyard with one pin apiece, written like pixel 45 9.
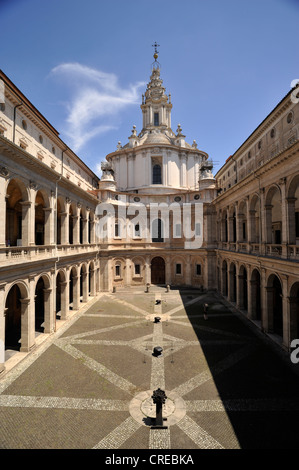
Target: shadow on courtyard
pixel 258 389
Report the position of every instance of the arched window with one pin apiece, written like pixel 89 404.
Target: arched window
pixel 157 231
pixel 157 178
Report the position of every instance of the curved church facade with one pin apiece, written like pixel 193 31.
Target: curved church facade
pixel 157 216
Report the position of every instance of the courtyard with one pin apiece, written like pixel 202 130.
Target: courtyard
pixel 89 385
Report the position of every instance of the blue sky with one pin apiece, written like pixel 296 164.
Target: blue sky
pixel 85 64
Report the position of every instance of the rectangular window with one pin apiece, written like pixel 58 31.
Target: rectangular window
pixel 137 269
pixel 117 270
pixel 116 230
pixel 178 231
pixel 178 269
pixel 156 119
pixel 198 270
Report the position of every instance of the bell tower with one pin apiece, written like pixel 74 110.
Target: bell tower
pixel 156 105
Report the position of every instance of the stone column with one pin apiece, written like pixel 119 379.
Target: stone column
pixel 168 270
pixel 147 270
pixel 76 229
pixel 285 313
pixel 92 282
pixel 84 287
pixel 27 325
pixel 188 270
pixel 2 211
pixel 183 176
pixel 76 292
pixel 127 277
pixel 290 220
pixel 64 217
pixel 2 327
pixel 65 299
pixel 49 226
pixel 49 311
pixel 85 230
pixel 27 233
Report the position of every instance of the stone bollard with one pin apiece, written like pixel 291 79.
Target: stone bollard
pixel 167 288
pixel 114 289
pixel 147 288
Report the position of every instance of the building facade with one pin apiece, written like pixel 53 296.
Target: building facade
pixel 66 235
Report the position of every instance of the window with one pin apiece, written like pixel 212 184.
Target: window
pixel 272 133
pixel 289 118
pixel 157 174
pixel 24 125
pixel 41 139
pixel 178 269
pixel 178 230
pixel 198 270
pixel 156 119
pixel 137 269
pixel 260 144
pixel 157 231
pixel 137 230
pixel 116 230
pixel 117 270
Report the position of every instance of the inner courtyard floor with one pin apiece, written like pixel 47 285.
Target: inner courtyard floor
pixel 89 385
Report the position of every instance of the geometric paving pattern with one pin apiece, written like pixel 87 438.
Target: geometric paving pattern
pixel 90 384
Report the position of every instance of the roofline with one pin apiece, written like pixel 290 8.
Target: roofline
pixel 231 157
pixel 25 100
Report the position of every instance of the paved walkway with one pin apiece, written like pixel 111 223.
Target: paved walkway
pixel 89 385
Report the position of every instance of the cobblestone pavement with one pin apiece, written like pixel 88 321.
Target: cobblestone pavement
pixel 89 385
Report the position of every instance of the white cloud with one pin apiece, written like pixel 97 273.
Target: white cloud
pixel 95 101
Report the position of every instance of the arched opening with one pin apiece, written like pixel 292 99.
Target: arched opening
pixel 273 216
pixel 58 228
pixel 14 199
pixel 158 270
pixel 294 311
pixel 58 295
pixel 71 289
pixel 256 295
pixel 293 211
pixel 224 279
pixel 13 311
pixel 81 227
pixel 39 306
pixel 157 231
pixel 88 228
pixel 39 219
pixel 274 305
pixel 224 227
pixel 243 300
pixel 254 214
pixel 242 222
pixel 232 282
pixel 71 226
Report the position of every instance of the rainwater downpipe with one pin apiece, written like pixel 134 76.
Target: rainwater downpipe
pixel 14 121
pixel 56 229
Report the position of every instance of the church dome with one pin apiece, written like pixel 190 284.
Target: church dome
pixel 156 138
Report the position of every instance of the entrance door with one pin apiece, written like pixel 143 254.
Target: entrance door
pixel 158 270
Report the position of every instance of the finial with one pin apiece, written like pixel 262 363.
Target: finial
pixel 156 63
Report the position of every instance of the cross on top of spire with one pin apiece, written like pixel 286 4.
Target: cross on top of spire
pixel 155 46
pixel 156 64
